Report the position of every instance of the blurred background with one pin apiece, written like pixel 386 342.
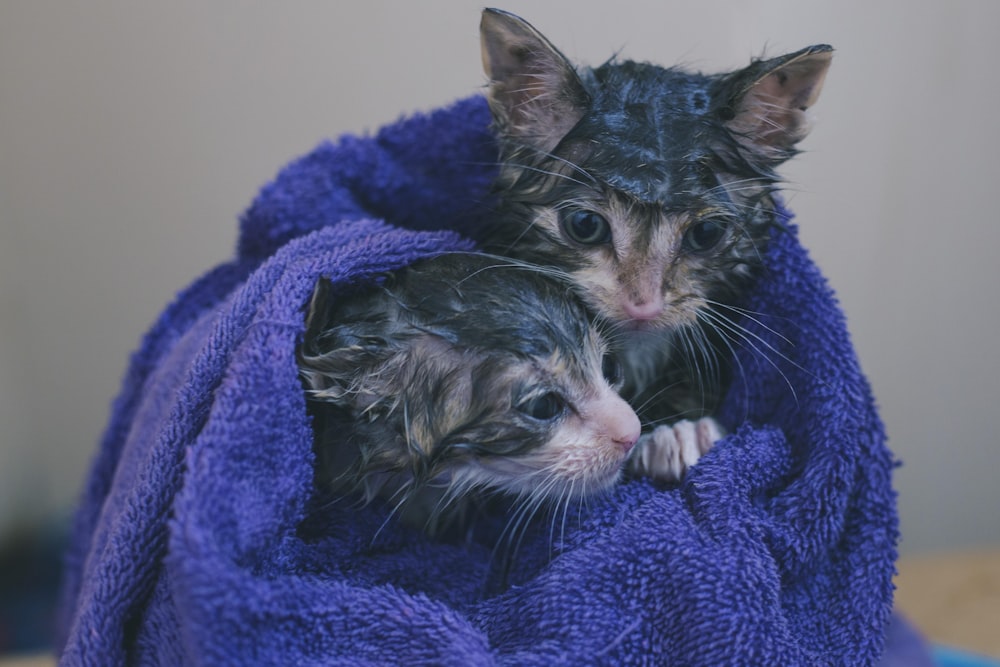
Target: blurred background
pixel 132 136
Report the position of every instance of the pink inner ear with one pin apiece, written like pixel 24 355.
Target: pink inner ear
pixel 540 102
pixel 533 87
pixel 772 114
pixel 798 83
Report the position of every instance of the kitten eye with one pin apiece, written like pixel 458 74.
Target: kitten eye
pixel 586 227
pixel 544 407
pixel 705 235
pixel 612 370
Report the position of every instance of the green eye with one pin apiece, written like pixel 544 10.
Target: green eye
pixel 586 227
pixel 544 407
pixel 704 235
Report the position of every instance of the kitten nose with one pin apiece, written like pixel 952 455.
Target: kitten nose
pixel 621 422
pixel 648 310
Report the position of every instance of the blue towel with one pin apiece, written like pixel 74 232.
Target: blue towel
pixel 201 539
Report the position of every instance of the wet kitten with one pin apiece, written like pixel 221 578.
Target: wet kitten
pixel 651 188
pixel 462 375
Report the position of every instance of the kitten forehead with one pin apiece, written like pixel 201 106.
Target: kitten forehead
pixel 492 303
pixel 643 128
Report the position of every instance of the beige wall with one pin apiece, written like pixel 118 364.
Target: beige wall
pixel 133 134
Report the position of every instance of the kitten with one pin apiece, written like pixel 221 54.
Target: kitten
pixel 460 376
pixel 652 189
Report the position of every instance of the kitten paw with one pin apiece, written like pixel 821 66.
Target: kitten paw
pixel 667 452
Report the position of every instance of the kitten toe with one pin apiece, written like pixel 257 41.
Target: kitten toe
pixel 667 452
pixel 658 455
pixel 708 432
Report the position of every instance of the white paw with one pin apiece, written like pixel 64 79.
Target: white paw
pixel 667 452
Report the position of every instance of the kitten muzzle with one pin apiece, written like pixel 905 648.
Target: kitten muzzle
pixel 617 421
pixel 643 312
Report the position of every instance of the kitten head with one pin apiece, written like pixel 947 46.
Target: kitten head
pixel 650 186
pixel 469 372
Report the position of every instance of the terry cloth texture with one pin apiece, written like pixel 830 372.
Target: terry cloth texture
pixel 201 539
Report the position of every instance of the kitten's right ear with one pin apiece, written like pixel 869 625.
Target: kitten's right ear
pixel 535 94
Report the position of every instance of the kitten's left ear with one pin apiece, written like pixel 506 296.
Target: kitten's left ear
pixel 535 94
pixel 764 105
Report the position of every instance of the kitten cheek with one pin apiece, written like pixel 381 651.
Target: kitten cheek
pixel 599 293
pixel 588 458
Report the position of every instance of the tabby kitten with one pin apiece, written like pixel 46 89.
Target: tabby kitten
pixel 459 377
pixel 652 188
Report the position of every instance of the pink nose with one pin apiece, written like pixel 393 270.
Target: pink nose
pixel 648 310
pixel 621 422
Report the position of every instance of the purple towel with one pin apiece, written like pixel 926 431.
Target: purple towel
pixel 201 539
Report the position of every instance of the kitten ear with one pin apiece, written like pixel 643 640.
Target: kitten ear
pixel 318 310
pixel 338 352
pixel 535 94
pixel 764 105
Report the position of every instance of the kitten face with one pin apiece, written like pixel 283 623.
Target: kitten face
pixel 649 186
pixel 639 265
pixel 465 372
pixel 549 426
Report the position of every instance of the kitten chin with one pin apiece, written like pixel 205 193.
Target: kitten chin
pixel 461 377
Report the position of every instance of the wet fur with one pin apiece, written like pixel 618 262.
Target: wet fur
pixel 417 388
pixel 661 153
